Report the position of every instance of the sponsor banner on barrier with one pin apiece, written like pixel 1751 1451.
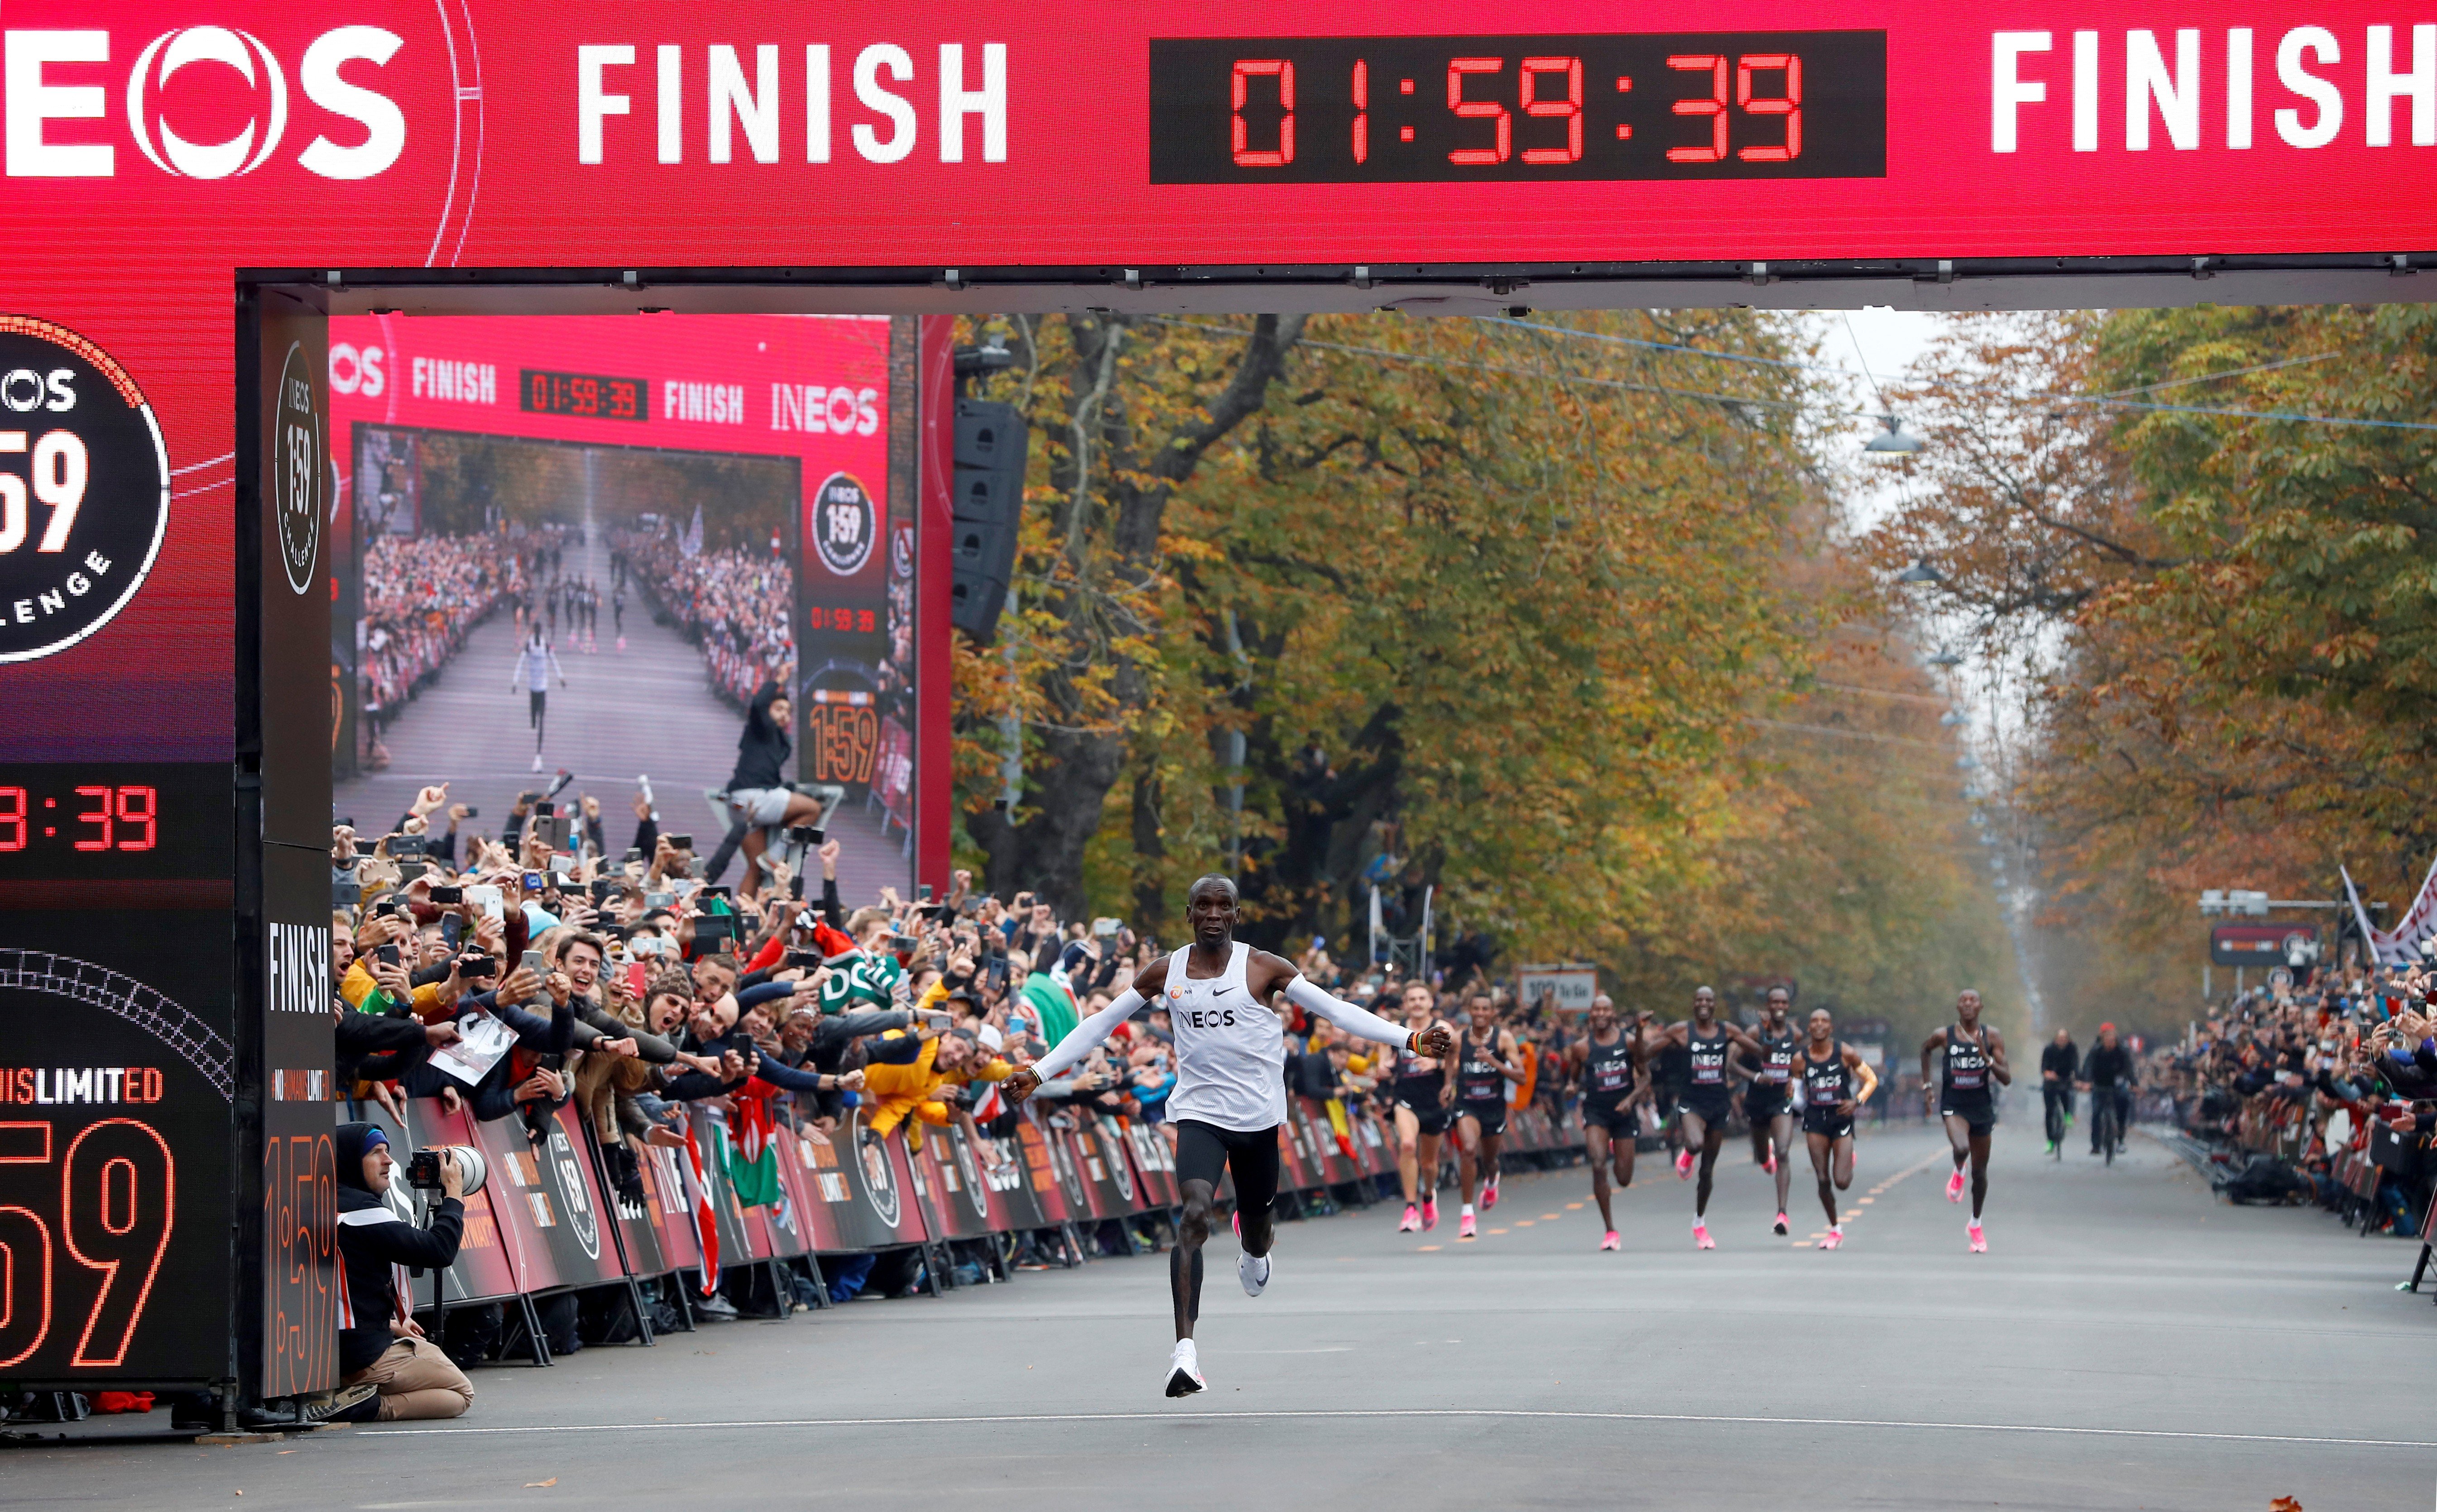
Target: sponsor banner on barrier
pixel 658 1231
pixel 1049 1169
pixel 1296 1170
pixel 1105 1170
pixel 484 1269
pixel 949 1178
pixel 1326 1158
pixel 1378 1157
pixel 550 1202
pixel 1154 1164
pixel 867 1188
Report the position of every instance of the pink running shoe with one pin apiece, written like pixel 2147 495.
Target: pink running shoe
pixel 1770 1164
pixel 1954 1186
pixel 1609 1242
pixel 1835 1238
pixel 1464 1228
pixel 1412 1223
pixel 1683 1165
pixel 1701 1239
pixel 1430 1213
pixel 1783 1226
pixel 1979 1241
pixel 1489 1195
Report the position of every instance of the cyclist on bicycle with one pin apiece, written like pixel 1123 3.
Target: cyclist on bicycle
pixel 2107 1072
pixel 2056 1064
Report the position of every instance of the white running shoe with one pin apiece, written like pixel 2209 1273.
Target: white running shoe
pixel 1183 1370
pixel 1253 1270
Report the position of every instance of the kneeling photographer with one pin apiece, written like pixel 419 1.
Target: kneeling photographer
pixel 379 1342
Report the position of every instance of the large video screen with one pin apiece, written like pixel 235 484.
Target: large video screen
pixel 576 554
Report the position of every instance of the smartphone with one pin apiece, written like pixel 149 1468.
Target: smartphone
pixel 473 812
pixel 683 842
pixel 452 929
pixel 804 835
pixel 1105 928
pixel 601 886
pixel 718 889
pixel 634 854
pixel 387 955
pixel 345 892
pixel 445 896
pixel 476 966
pixel 367 847
pixel 659 900
pixel 533 963
pixel 486 896
pixel 715 927
pixel 408 844
pixel 807 960
pixel 922 893
pixel 533 882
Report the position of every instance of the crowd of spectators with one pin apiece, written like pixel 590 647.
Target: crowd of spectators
pixel 422 596
pixel 2325 1094
pixel 733 602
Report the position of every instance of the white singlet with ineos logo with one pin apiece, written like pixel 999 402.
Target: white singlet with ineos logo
pixel 1231 1052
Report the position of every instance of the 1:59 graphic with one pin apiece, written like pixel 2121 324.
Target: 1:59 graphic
pixel 1626 106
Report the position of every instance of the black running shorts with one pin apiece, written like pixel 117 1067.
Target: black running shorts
pixel 1421 1101
pixel 1617 1119
pixel 1762 1103
pixel 1203 1150
pixel 1827 1121
pixel 1980 1112
pixel 1492 1116
pixel 1709 1104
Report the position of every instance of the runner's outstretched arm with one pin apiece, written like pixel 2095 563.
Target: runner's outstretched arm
pixel 1079 1042
pixel 1359 1021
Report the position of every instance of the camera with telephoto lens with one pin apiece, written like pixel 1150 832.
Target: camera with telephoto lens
pixel 423 1169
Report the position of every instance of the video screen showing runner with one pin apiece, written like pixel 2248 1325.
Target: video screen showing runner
pixel 562 629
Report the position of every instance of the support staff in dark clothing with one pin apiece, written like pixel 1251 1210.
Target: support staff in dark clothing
pixel 2057 1066
pixel 379 1342
pixel 2108 1073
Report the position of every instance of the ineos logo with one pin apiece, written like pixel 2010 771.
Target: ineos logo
pixel 238 60
pixel 173 50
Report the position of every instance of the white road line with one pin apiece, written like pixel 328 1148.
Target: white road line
pixel 1393 1412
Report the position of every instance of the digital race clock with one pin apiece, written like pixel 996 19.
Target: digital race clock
pixel 1389 110
pixel 113 819
pixel 584 395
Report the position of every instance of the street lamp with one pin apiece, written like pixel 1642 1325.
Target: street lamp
pixel 1921 572
pixel 1894 444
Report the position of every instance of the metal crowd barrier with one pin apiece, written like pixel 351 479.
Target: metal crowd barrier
pixel 548 1218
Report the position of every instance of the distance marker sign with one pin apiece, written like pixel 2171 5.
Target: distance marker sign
pixel 84 489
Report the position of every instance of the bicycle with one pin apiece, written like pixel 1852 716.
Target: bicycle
pixel 2103 1120
pixel 2057 1120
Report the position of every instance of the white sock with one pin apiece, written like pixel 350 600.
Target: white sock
pixel 1837 1229
pixel 1468 1211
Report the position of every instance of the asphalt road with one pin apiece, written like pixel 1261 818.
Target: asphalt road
pixel 2128 1342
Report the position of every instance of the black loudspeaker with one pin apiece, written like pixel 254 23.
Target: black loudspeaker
pixel 987 494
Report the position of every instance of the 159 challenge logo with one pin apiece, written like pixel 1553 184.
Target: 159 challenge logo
pixel 84 489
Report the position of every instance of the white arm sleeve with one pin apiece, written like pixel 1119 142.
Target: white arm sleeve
pixel 1353 1020
pixel 1084 1037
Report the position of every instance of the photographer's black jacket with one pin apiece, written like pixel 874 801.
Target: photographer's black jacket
pixel 372 1240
